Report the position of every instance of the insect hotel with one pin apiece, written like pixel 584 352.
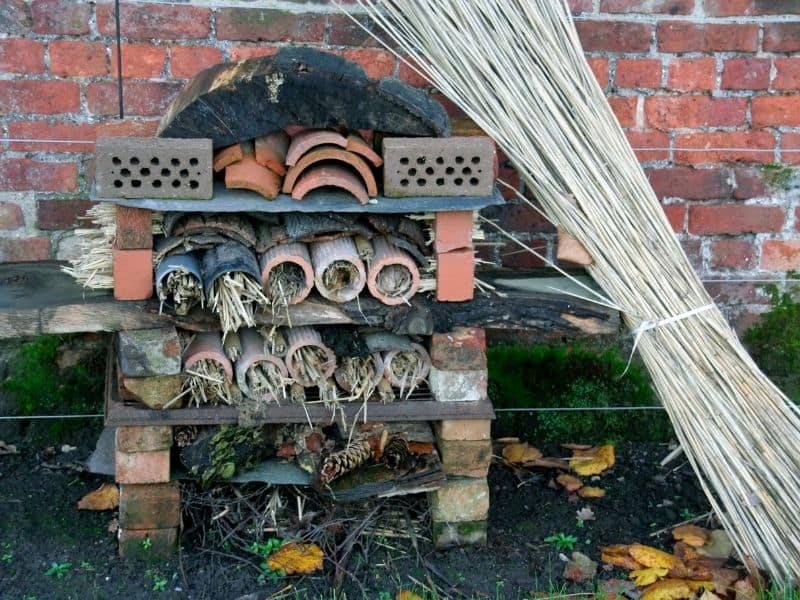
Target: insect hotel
pixel 294 255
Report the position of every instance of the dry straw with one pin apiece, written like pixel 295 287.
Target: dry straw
pixel 517 69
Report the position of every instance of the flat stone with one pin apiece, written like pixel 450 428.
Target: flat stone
pixel 451 535
pixel 149 352
pixel 156 391
pixel 458 386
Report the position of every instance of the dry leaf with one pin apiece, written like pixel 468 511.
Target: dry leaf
pixel 514 452
pixel 585 514
pixel 696 586
pixel 407 595
pixel 709 595
pixel 685 552
pixel 652 557
pixel 577 446
pixel 531 454
pixel 692 535
pixel 667 589
pixel 589 491
pixel 720 545
pixel 746 589
pixel 644 577
pixel 619 556
pixel 568 482
pixel 551 463
pixel 106 497
pixel 294 558
pixel 606 454
pixel 7 448
pixel 724 580
pixel 593 461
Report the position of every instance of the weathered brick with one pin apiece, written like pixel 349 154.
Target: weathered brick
pixel 460 500
pixel 453 535
pixel 11 216
pixel 139 60
pixel 649 145
pixel 134 228
pixel 455 275
pixel 78 59
pixel 458 386
pixel 344 32
pixel 376 63
pixel 790 148
pixel 20 174
pixel 39 97
pixel 662 7
pixel 624 108
pixel 746 73
pixel 24 249
pixel 676 215
pixel 269 25
pixel 463 349
pixel 733 254
pixel 787 74
pixel 685 36
pixel 770 7
pixel 156 392
pixel 21 56
pixel 143 21
pixel 750 183
pixel 709 148
pixel 694 252
pixel 238 53
pixel 133 274
pixel 161 543
pixel 734 293
pixel 735 219
pixel 80 135
pixel 142 467
pixel 688 74
pixel 614 36
pixel 690 184
pixel 149 352
pixel 60 214
pixel 463 429
pixel 638 73
pixel 579 6
pixel 781 37
pixel 780 255
pixel 775 111
pixel 149 506
pixel 728 8
pixel 61 17
pixel 142 98
pixel 513 256
pixel 143 438
pixel 188 61
pixel 672 112
pixel 453 230
pixel 465 458
pixel 599 67
pixel 15 17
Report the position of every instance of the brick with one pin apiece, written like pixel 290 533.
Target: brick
pixel 24 249
pixel 245 52
pixel 659 7
pixel 269 25
pixel 39 97
pixel 454 535
pixel 688 74
pixel 775 111
pixel 787 74
pixel 134 228
pixel 638 73
pixel 790 148
pixel 614 36
pixel 78 59
pixel 694 252
pixel 142 98
pixel 161 543
pixel 11 216
pixel 133 274
pixel 734 293
pixel 746 73
pixel 149 506
pixel 21 56
pixel 15 17
pixel 463 349
pixel 690 184
pixel 672 112
pixel 676 215
pixel 624 108
pixel 728 8
pixel 733 254
pixel 513 256
pixel 187 61
pixel 463 429
pixel 779 255
pixel 455 276
pixel 520 217
pixel 458 386
pixel 143 438
pixel 155 392
pixel 570 250
pixel 770 7
pixel 649 145
pixel 143 21
pixel 735 219
pixel 465 458
pixel 749 183
pixel 781 37
pixel 149 352
pixel 577 7
pixel 142 467
pixel 342 31
pixel 599 67
pixel 21 174
pixel 460 500
pixel 684 36
pixel 60 214
pixel 376 63
pixel 705 147
pixel 61 17
pixel 84 134
pixel 139 60
pixel 453 230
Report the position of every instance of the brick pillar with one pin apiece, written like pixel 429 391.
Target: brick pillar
pixel 460 508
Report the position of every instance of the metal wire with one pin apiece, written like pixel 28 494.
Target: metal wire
pixel 576 409
pixel 43 417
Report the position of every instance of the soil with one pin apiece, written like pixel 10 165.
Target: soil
pixel 40 526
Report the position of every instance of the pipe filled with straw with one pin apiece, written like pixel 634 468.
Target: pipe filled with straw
pixel 359 375
pixel 338 271
pixel 393 276
pixel 287 275
pixel 406 369
pixel 207 372
pixel 260 375
pixel 309 361
pixel 178 283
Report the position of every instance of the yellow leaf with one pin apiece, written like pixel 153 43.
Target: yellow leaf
pixel 407 595
pixel 589 491
pixel 643 577
pixel 618 555
pixel 606 454
pixel 667 589
pixel 531 454
pixel 692 534
pixel 652 557
pixel 696 586
pixel 569 482
pixel 592 461
pixel 106 497
pixel 514 452
pixel 294 557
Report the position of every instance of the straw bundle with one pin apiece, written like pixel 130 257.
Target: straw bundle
pixel 516 67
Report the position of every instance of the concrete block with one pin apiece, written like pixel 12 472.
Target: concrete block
pixel 460 500
pixel 463 430
pixel 156 391
pixel 142 467
pixel 452 535
pixel 149 506
pixel 466 458
pixel 458 386
pixel 144 438
pixel 463 349
pixel 149 352
pixel 146 544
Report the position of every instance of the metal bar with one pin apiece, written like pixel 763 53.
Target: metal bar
pixel 576 409
pixel 119 59
pixel 42 417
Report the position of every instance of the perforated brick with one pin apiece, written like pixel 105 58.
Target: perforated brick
pixel 129 167
pixel 456 166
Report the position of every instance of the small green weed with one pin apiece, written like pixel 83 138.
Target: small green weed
pixel 147 543
pixel 58 570
pixel 7 557
pixel 264 550
pixel 562 541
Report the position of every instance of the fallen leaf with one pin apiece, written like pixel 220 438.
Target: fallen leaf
pixel 407 595
pixel 619 556
pixel 709 595
pixel 652 557
pixel 644 577
pixel 568 482
pixel 614 588
pixel 746 589
pixel 589 491
pixel 531 454
pixel 551 463
pixel 577 446
pixel 7 448
pixel 585 514
pixel 592 461
pixel 724 580
pixel 514 452
pixel 106 497
pixel 719 546
pixel 580 569
pixel 696 586
pixel 685 552
pixel 606 453
pixel 692 534
pixel 667 589
pixel 113 526
pixel 294 557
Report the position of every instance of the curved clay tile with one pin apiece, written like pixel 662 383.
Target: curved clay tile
pixel 330 175
pixel 249 175
pixel 306 140
pixel 359 146
pixel 227 156
pixel 331 153
pixel 271 151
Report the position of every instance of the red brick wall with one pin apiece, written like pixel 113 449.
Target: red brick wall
pixel 707 90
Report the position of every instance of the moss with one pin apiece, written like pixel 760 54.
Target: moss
pixel 779 176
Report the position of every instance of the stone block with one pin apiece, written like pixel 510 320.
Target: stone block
pixel 452 231
pixel 466 458
pixel 458 386
pixel 156 391
pixel 147 543
pixel 463 349
pixel 133 274
pixel 455 276
pixel 134 228
pixel 149 352
pixel 142 467
pixel 464 430
pixel 452 535
pixel 460 500
pixel 143 438
pixel 149 506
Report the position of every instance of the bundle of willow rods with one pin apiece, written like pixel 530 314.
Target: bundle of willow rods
pixel 517 69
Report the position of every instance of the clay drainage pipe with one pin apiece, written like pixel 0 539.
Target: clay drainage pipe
pixel 338 271
pixel 260 375
pixel 393 276
pixel 359 375
pixel 406 369
pixel 208 373
pixel 287 274
pixel 309 361
pixel 178 283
